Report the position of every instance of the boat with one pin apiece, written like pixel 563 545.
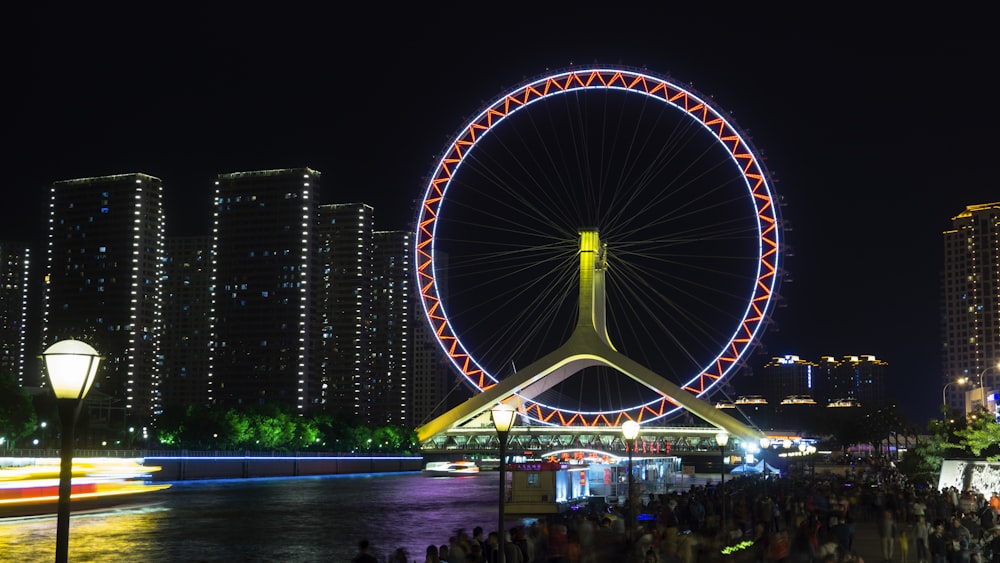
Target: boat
pixel 30 487
pixel 450 468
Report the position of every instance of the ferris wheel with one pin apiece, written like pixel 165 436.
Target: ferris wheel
pixel 682 204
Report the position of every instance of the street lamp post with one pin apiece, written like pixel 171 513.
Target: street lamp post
pixel 722 438
pixel 71 366
pixel 503 420
pixel 631 430
pixel 982 389
pixel 765 443
pixel 944 390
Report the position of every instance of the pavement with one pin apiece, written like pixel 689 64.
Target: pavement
pixel 869 547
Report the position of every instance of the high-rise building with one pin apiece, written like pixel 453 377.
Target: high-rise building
pixel 264 274
pixel 15 299
pixel 344 311
pixel 861 379
pixel 187 327
pixel 102 286
pixel 970 302
pixel 388 389
pixel 788 376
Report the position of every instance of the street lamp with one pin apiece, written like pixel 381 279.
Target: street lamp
pixel 722 438
pixel 982 390
pixel 765 443
pixel 503 421
pixel 944 395
pixel 71 366
pixel 631 430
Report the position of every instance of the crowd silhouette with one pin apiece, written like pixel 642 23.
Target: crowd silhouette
pixel 801 518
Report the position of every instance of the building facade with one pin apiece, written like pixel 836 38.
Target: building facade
pixel 103 286
pixel 857 379
pixel 264 273
pixel 788 376
pixel 970 303
pixel 187 325
pixel 389 390
pixel 15 299
pixel 344 316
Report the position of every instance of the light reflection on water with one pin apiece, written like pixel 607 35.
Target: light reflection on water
pixel 294 519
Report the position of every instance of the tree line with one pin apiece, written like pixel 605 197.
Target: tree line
pixel 260 427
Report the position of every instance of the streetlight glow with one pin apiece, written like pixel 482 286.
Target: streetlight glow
pixel 503 417
pixel 722 438
pixel 72 367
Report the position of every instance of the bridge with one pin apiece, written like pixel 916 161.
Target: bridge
pixel 468 427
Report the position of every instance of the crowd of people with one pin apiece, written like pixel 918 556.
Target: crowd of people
pixel 781 519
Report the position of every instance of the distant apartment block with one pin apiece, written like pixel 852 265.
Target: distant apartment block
pixel 344 309
pixel 861 379
pixel 970 302
pixel 104 268
pixel 788 376
pixel 187 325
pixel 389 389
pixel 264 272
pixel 15 320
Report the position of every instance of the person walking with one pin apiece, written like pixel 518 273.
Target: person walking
pixel 937 543
pixel 921 533
pixel 887 535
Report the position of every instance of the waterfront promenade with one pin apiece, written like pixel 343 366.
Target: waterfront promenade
pixel 817 500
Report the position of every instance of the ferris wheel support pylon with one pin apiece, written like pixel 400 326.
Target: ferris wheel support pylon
pixel 588 345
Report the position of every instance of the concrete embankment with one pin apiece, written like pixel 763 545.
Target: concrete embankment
pixel 181 468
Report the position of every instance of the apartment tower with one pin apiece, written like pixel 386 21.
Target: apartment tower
pixel 264 273
pixel 15 298
pixel 187 327
pixel 345 232
pixel 102 285
pixel 389 388
pixel 970 303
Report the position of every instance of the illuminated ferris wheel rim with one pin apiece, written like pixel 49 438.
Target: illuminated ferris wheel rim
pixel 602 78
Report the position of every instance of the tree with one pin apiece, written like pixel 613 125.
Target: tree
pixel 981 436
pixel 949 436
pixel 17 414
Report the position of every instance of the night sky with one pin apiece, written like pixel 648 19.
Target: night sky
pixel 877 129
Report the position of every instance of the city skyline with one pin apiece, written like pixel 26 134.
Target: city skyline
pixel 870 160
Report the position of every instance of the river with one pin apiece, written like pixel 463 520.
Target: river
pixel 298 519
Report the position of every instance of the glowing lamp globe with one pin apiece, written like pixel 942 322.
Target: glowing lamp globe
pixel 722 438
pixel 503 417
pixel 630 429
pixel 72 367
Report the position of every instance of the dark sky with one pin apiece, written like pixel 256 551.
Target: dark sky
pixel 878 129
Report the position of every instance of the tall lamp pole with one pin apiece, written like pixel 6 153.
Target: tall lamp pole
pixel 72 366
pixel 722 438
pixel 765 443
pixel 630 430
pixel 503 421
